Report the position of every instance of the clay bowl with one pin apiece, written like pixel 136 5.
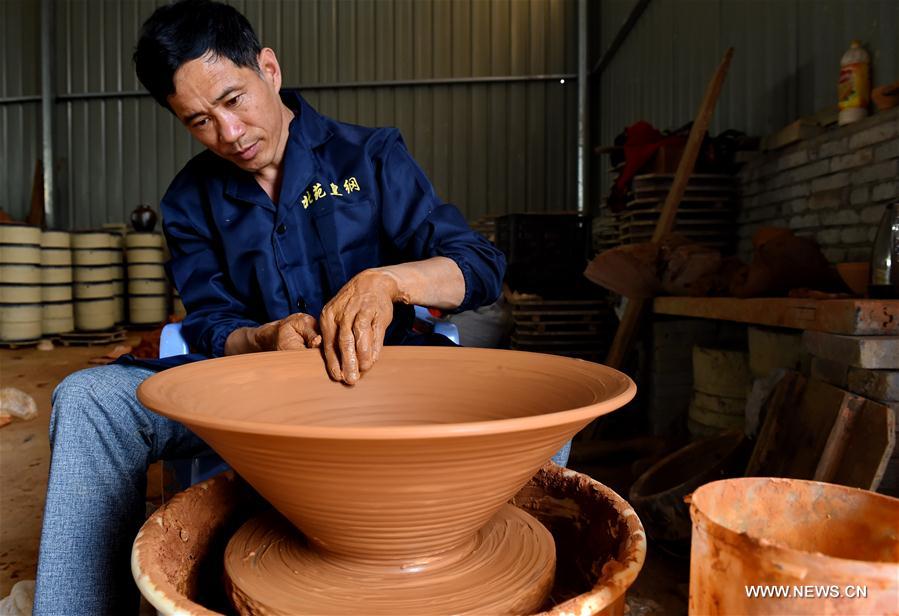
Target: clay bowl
pixel 177 557
pixel 406 465
pixel 658 494
pixel 856 276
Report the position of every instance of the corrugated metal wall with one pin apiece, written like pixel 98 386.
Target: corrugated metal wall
pixel 489 147
pixel 20 117
pixel 786 62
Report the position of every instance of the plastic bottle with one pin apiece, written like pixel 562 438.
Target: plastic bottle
pixel 854 88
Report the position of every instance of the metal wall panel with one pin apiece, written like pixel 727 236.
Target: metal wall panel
pixel 20 120
pixel 786 61
pixel 488 147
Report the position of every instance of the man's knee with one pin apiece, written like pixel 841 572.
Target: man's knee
pixel 87 398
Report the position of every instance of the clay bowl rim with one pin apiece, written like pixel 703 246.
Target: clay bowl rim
pixel 736 439
pixel 623 394
pixel 727 534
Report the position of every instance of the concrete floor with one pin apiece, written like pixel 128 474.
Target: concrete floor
pixel 25 456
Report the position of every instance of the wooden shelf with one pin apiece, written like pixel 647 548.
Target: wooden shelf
pixel 860 317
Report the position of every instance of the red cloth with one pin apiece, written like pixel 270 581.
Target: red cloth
pixel 642 141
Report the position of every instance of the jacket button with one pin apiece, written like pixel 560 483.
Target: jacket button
pixel 301 305
pixel 281 229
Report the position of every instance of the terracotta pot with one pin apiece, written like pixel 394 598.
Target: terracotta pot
pixel 600 545
pixel 856 275
pixel 658 495
pixel 279 420
pixel 143 219
pixel 792 533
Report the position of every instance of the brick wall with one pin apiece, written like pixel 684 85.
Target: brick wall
pixel 833 187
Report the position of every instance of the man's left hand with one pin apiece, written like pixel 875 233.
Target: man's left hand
pixel 354 322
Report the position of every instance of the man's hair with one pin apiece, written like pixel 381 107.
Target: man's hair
pixel 186 30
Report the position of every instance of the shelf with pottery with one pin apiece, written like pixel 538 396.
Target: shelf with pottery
pixel 858 317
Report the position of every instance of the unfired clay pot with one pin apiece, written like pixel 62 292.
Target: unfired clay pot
pixel 400 471
pixel 177 556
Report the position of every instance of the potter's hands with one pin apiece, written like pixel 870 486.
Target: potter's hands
pixel 354 322
pixel 297 331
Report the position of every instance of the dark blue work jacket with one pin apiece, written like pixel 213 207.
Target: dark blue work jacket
pixel 351 198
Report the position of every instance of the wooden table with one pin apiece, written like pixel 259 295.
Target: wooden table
pixel 859 317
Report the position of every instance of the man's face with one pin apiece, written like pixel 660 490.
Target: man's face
pixel 233 110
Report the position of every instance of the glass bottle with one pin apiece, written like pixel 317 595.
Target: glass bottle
pixel 885 256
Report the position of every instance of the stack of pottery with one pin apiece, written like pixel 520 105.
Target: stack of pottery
pixel 20 278
pixel 721 382
pixel 57 312
pixel 147 284
pixel 96 258
pixel 118 282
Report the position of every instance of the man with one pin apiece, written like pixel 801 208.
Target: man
pixel 291 230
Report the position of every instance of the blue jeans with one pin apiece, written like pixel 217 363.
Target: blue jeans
pixel 102 442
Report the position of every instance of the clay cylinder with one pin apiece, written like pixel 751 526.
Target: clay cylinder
pixel 96 256
pixel 56 293
pixel 147 286
pixel 95 314
pixel 840 545
pixel 145 255
pixel 147 309
pixel 94 290
pixel 56 275
pixel 20 322
pixel 20 253
pixel 56 239
pixel 721 372
pixel 85 240
pixel 13 233
pixel 20 294
pixel 20 274
pixel 145 270
pixel 102 273
pixel 56 256
pixel 143 240
pixel 57 318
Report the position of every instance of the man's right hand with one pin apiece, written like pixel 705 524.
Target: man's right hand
pixel 296 331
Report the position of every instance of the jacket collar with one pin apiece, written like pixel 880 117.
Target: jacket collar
pixel 307 130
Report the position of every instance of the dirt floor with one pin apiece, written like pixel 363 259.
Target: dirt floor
pixel 25 456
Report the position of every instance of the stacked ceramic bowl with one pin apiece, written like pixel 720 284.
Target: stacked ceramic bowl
pixel 20 282
pixel 97 259
pixel 118 282
pixel 147 284
pixel 57 312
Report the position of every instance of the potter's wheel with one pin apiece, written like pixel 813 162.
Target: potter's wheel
pixel 508 567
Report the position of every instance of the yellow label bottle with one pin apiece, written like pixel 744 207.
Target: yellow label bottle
pixel 854 87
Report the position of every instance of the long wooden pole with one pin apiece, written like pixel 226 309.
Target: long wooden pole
pixel 634 310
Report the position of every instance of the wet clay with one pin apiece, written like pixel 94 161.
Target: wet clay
pixel 507 568
pixel 407 464
pixel 599 543
pixel 403 469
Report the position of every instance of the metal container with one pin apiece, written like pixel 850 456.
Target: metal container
pixel 834 549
